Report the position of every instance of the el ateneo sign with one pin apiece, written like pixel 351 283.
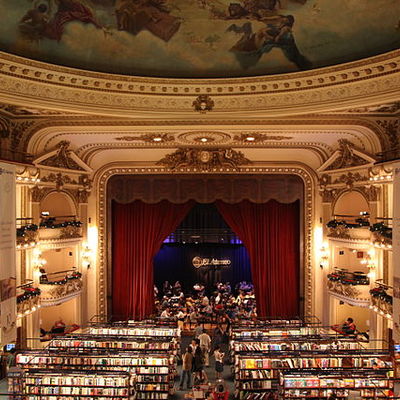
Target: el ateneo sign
pixel 199 262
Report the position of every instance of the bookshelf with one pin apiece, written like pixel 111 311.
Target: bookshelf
pixel 69 384
pixel 374 385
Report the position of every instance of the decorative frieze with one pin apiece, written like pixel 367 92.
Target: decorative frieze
pixel 204 159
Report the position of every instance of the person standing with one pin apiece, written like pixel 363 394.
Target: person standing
pixel 187 365
pixel 205 345
pixel 219 362
pixel 198 366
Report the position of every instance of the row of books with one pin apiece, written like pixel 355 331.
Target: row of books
pixel 98 344
pixel 131 331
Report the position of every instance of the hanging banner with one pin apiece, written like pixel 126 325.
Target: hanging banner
pixel 8 304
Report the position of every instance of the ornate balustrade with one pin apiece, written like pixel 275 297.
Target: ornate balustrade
pixel 349 287
pixel 382 299
pixel 59 287
pixel 359 229
pixel 27 234
pixel 55 231
pixel 28 299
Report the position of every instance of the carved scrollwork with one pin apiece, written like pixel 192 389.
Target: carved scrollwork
pixel 340 232
pixel 347 158
pixel 204 159
pixel 62 158
pixel 343 290
pixel 38 194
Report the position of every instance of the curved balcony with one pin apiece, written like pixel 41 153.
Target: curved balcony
pixel 382 299
pixel 382 234
pixel 27 234
pixel 350 229
pixel 59 287
pixel 28 299
pixel 349 287
pixel 63 231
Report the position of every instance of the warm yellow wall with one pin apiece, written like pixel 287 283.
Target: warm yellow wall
pixel 66 311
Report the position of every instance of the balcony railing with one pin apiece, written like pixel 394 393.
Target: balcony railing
pixel 27 233
pixel 59 228
pixel 28 299
pixel 382 299
pixel 350 287
pixel 350 227
pixel 59 287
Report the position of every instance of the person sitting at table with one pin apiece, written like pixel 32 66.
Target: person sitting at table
pixel 58 327
pixel 349 327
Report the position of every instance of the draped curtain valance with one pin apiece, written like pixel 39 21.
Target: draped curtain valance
pixel 179 189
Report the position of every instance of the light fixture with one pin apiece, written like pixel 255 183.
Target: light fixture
pixel 204 139
pixel 157 139
pixel 250 138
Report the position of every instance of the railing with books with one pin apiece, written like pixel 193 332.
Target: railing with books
pixel 151 372
pixel 82 342
pixel 260 371
pixel 72 384
pixel 372 384
pixel 149 355
pixel 276 322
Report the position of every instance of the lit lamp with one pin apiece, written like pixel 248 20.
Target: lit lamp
pixel 324 256
pixel 86 255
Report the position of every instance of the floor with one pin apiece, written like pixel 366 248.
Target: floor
pixel 210 371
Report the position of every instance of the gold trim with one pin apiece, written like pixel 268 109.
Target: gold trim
pixel 107 172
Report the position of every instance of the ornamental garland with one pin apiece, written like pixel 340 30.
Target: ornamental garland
pixel 74 275
pixel 29 293
pixel 382 230
pixel 50 223
pixel 31 227
pixel 380 293
pixel 349 278
pixel 359 223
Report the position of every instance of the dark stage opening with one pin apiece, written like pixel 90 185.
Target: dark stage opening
pixel 203 249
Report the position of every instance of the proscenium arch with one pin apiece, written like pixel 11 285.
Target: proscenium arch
pixel 307 217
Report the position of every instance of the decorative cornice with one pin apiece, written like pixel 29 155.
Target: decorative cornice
pixel 204 159
pixel 35 84
pixel 147 138
pixel 258 137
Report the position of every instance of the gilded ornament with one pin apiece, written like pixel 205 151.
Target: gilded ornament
pixel 204 160
pixel 62 158
pixel 203 103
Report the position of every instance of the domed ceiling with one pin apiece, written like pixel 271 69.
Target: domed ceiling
pixel 199 38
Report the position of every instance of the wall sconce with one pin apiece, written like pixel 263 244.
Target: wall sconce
pixel 86 255
pixel 324 256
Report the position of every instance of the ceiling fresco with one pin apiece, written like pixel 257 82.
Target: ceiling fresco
pixel 199 38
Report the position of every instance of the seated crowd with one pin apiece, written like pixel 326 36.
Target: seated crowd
pixel 222 306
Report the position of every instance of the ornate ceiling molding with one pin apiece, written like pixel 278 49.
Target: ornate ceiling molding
pixel 35 84
pixel 45 134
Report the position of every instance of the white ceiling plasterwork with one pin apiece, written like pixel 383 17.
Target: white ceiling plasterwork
pixel 357 84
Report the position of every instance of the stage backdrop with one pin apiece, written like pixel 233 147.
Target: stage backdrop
pixel 268 225
pixel 175 262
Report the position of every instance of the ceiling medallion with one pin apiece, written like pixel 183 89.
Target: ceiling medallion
pixel 198 137
pixel 203 103
pixel 148 138
pixel 258 137
pixel 204 159
pixel 204 139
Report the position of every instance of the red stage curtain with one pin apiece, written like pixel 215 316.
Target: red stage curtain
pixel 138 232
pixel 271 234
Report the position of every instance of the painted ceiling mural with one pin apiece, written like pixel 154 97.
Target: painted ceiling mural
pixel 199 38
